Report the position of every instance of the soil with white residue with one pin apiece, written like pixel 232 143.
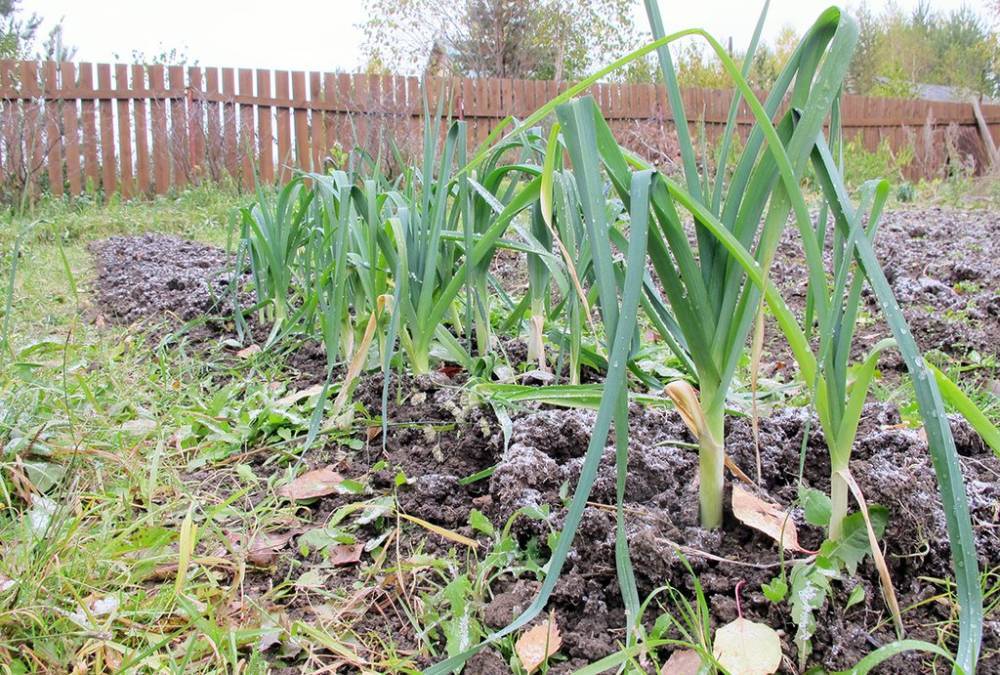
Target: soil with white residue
pixel 942 266
pixel 160 277
pixel 439 437
pixel 542 463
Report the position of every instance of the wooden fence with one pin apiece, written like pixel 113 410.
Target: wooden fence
pixel 142 130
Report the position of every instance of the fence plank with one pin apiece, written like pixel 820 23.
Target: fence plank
pixel 301 115
pixel 196 123
pixel 179 141
pixel 248 141
pixel 281 91
pixel 330 118
pixel 53 111
pixel 124 132
pixel 88 126
pixel 109 168
pixel 159 137
pixel 265 138
pixel 317 127
pixel 71 135
pixel 34 137
pixel 143 168
pixel 215 148
pixel 230 151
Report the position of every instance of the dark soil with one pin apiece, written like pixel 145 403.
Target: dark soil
pixel 438 437
pixel 546 451
pixel 942 265
pixel 160 277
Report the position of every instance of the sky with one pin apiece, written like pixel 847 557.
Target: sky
pixel 325 35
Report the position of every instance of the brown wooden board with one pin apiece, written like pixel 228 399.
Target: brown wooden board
pixel 179 142
pixel 88 126
pixel 196 124
pixel 285 158
pixel 109 167
pixel 317 125
pixel 124 133
pixel 143 168
pixel 265 137
pixel 248 134
pixel 160 138
pixel 301 117
pixel 229 139
pixel 53 115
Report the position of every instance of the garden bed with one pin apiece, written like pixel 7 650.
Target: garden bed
pixel 439 436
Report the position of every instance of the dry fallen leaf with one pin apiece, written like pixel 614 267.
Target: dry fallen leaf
pixel 538 644
pixel 297 396
pixel 746 647
pixel 247 352
pixel 765 517
pixel 683 662
pixel 346 554
pixel 264 547
pixel 315 483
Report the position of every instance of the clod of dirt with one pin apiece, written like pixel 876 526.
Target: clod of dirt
pixel 941 264
pixel 157 276
pixel 891 464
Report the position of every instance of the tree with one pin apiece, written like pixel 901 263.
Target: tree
pixel 542 39
pixel 17 33
pixel 898 51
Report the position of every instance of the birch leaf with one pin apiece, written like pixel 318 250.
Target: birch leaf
pixel 316 483
pixel 538 644
pixel 683 662
pixel 747 648
pixel 765 517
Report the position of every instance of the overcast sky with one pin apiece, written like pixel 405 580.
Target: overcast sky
pixel 325 36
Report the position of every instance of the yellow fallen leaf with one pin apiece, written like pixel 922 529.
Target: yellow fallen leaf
pixel 745 647
pixel 315 483
pixel 538 644
pixel 297 396
pixel 247 352
pixel 683 662
pixel 441 531
pixel 765 517
pixel 186 541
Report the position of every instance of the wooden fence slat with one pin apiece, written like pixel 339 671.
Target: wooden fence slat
pixel 317 125
pixel 265 137
pixel 301 117
pixel 143 169
pixel 159 137
pixel 215 148
pixel 34 135
pixel 179 142
pixel 330 118
pixel 109 167
pixel 229 122
pixel 284 128
pixel 124 133
pixel 88 126
pixel 196 123
pixel 71 134
pixel 53 110
pixel 248 140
